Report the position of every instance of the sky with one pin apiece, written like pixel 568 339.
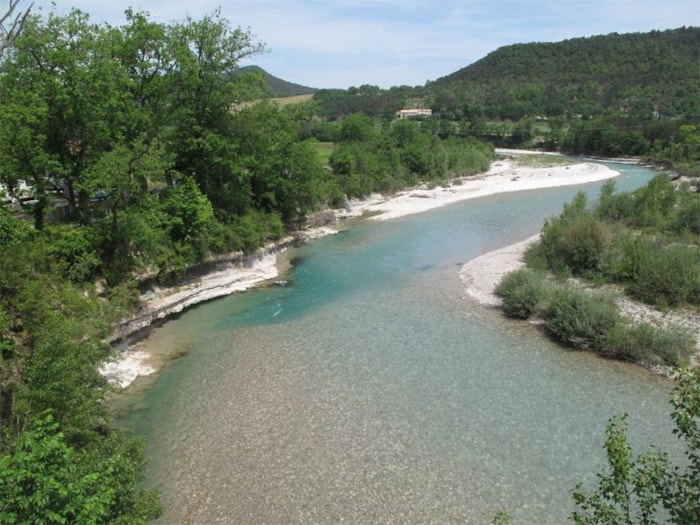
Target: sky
pixel 344 43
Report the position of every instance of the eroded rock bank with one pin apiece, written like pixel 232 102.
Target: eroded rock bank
pixel 217 277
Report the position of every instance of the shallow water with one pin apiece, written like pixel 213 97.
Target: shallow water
pixel 371 390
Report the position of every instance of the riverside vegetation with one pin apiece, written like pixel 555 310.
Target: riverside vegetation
pixel 131 153
pixel 647 242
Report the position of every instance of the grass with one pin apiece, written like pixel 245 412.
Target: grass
pixel 295 99
pixel 324 150
pixel 544 161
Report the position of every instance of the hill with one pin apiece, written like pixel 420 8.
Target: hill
pixel 654 74
pixel 277 86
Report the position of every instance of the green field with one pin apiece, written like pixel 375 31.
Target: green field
pixel 296 99
pixel 324 150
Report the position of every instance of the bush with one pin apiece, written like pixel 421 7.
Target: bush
pixel 667 275
pixel 633 490
pixel 688 216
pixel 75 252
pixel 577 245
pixel 581 320
pixel 644 342
pixel 654 203
pixel 524 293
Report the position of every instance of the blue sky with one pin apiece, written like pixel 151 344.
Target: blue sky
pixel 343 43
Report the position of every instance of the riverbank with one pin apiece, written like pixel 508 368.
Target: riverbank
pixel 482 274
pixel 504 176
pixel 242 273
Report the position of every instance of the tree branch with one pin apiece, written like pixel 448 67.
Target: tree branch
pixel 16 23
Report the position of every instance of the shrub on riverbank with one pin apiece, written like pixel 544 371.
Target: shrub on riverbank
pixel 667 275
pixel 581 320
pixel 524 293
pixel 585 320
pixel 646 241
pixel 645 342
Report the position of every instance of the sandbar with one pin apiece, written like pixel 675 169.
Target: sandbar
pixel 504 176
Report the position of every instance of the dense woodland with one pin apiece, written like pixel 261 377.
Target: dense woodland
pixel 139 150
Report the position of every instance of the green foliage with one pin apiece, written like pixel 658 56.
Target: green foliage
pixel 501 518
pixel 581 76
pixel 188 214
pixel 667 275
pixel 42 481
pixel 13 231
pixel 654 203
pixel 45 480
pixel 660 265
pixel 581 320
pixel 680 491
pixel 625 494
pixel 84 473
pixel 688 213
pixel 357 128
pixel 369 100
pixel 643 342
pixel 525 293
pixel 636 490
pixel 251 231
pixel 404 153
pixel 575 241
pixel 276 86
pixel 75 252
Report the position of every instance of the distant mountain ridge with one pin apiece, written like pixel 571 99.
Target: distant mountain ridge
pixel 277 86
pixel 656 72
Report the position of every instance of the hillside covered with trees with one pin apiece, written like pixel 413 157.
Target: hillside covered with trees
pixel 276 86
pixel 642 75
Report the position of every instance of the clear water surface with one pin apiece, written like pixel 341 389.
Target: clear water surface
pixel 370 389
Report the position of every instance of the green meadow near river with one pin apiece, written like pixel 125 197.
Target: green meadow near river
pixel 370 389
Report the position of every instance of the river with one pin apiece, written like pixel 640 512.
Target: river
pixel 369 389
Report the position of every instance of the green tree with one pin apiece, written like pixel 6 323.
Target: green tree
pixel 205 52
pixel 24 161
pixel 46 480
pixel 64 72
pixel 634 490
pixel 43 483
pixel 357 128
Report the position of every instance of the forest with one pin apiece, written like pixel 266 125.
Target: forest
pixel 136 152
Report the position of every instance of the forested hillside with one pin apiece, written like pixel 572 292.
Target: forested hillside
pixel 646 75
pixel 612 95
pixel 277 86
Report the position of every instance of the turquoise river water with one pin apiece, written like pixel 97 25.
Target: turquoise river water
pixel 371 390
